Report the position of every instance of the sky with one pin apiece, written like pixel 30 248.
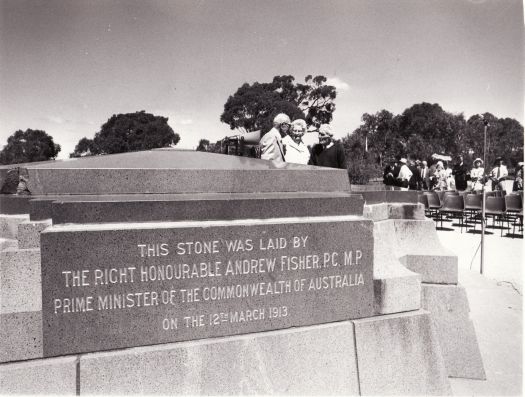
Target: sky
pixel 67 66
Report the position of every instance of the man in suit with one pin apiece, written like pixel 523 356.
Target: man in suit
pixel 460 174
pixel 271 143
pixel 425 176
pixel 498 174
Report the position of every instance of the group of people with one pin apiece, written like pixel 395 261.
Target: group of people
pixel 284 144
pixel 417 175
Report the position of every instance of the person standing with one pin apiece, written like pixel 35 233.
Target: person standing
pixel 440 176
pixel 477 175
pixel 328 153
pixel 498 174
pixel 404 175
pixel 271 143
pixel 460 174
pixel 425 176
pixel 296 151
pixel 414 181
pixel 518 179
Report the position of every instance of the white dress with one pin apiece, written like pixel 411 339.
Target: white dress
pixel 476 175
pixel 297 153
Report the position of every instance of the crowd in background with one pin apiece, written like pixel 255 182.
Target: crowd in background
pixel 418 175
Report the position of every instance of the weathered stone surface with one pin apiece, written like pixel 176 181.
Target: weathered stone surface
pixel 41 208
pixel 449 307
pixel 419 249
pixel 8 243
pixel 290 272
pixel 169 207
pixel 396 289
pixel 20 336
pixel 20 280
pixel 11 204
pixel 399 354
pixel 9 225
pixel 29 233
pixel 389 196
pixel 316 360
pixel 383 211
pixel 175 171
pixel 51 376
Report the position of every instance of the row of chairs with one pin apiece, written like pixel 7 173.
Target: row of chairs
pixel 467 207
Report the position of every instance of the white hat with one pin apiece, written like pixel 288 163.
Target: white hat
pixel 281 118
pixel 326 129
pixel 403 160
pixel 478 159
pixel 520 164
pixel 439 164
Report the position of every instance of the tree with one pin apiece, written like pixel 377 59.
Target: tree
pixel 29 146
pixel 128 133
pixel 203 146
pixel 253 107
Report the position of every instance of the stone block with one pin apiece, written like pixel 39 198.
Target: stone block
pixel 8 243
pixel 9 225
pixel 193 207
pixel 109 286
pixel 20 281
pixel 29 233
pixel 419 249
pixel 12 204
pixel 176 171
pixel 396 289
pixel 51 376
pixel 316 360
pixel 399 354
pixel 20 336
pixel 376 212
pixel 383 211
pixel 449 308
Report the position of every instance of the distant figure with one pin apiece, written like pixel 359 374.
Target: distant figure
pixel 518 179
pixel 425 176
pixel 440 177
pixel 476 175
pixel 404 175
pixel 414 180
pixel 388 176
pixel 271 143
pixel 460 174
pixel 296 151
pixel 450 179
pixel 498 174
pixel 328 153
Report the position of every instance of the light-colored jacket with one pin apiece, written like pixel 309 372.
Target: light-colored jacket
pixel 272 147
pixel 297 153
pixel 404 173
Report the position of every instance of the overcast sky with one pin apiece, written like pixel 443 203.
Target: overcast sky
pixel 67 66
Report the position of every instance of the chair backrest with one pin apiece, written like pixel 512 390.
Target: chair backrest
pixel 495 204
pixel 453 203
pixel 473 201
pixel 433 199
pixel 513 203
pixel 422 198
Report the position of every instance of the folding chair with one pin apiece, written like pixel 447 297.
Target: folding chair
pixel 454 208
pixel 514 211
pixel 495 209
pixel 433 203
pixel 473 203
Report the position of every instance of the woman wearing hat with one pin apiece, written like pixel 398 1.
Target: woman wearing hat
pixel 440 177
pixel 476 175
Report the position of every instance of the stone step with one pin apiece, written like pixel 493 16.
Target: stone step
pixel 29 233
pixel 9 224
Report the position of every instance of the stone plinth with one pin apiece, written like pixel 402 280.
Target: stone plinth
pixel 316 360
pixel 112 286
pixel 9 225
pixel 12 204
pixel 399 354
pixel 20 336
pixel 192 207
pixel 175 171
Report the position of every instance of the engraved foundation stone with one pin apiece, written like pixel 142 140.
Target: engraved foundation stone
pixel 111 286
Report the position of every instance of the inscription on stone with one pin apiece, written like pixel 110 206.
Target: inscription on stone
pixel 105 288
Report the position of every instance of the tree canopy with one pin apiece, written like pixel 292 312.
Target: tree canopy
pixel 424 129
pixel 128 133
pixel 29 146
pixel 253 106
